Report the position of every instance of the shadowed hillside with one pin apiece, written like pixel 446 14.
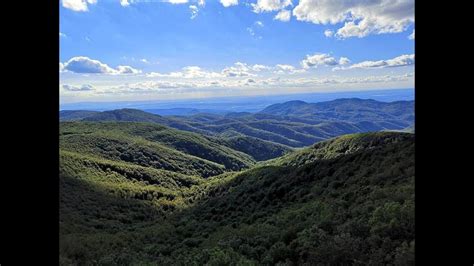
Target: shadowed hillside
pixel 348 200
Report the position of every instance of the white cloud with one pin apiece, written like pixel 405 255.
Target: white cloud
pixel 197 72
pixel 171 87
pixel 84 87
pixel 124 3
pixel 177 1
pixel 201 2
pixel 412 35
pixel 78 5
pixel 83 64
pixel 61 67
pixel 189 72
pixel 361 18
pixel 285 67
pixel 62 35
pixel 143 60
pixel 127 70
pixel 237 70
pixel 328 33
pixel 258 68
pixel 227 3
pixel 259 23
pixel 320 60
pixel 270 5
pixel 284 15
pixel 194 11
pixel 399 61
pixel 344 61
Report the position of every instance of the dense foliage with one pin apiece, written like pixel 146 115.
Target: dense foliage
pixel 293 124
pixel 348 200
pixel 152 145
pixel 73 115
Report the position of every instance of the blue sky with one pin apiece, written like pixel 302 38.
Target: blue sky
pixel 114 50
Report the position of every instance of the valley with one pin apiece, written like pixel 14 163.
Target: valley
pixel 293 184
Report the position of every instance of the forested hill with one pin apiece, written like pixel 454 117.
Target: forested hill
pixel 290 124
pixel 345 201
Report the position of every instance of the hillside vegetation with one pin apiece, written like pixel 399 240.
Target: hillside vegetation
pixel 152 145
pixel 345 201
pixel 291 124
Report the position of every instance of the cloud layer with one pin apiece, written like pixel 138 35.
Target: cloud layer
pixel 84 87
pixel 399 61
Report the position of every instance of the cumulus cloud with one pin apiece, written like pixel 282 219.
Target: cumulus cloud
pixel 328 33
pixel 412 35
pixel 321 60
pixel 284 15
pixel 360 18
pixel 399 61
pixel 258 68
pixel 83 64
pixel 124 3
pixel 127 70
pixel 201 2
pixel 270 5
pixel 284 68
pixel 84 87
pixel 78 5
pixel 344 61
pixel 237 70
pixel 227 3
pixel 194 11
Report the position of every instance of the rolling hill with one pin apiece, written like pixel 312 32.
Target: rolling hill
pixel 344 201
pixel 293 124
pixel 72 115
pixel 152 145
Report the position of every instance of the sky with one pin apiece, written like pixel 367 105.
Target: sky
pixel 127 50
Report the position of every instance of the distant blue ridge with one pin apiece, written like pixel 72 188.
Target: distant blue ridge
pixel 239 104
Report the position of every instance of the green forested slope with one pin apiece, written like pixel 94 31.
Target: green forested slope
pixel 152 145
pixel 346 201
pixel 293 124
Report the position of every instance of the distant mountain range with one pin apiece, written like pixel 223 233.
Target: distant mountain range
pixel 286 185
pixel 292 124
pixel 239 104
